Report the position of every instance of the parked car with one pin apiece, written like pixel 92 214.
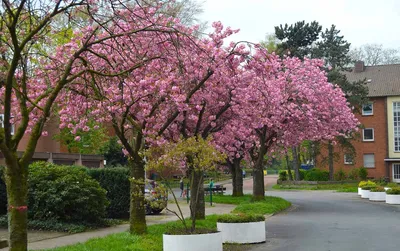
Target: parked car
pixel 156 197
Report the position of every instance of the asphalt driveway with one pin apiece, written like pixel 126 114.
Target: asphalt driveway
pixel 330 221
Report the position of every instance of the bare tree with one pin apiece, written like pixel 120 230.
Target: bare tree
pixel 375 54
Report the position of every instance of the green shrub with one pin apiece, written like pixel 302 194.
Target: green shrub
pixel 340 175
pixel 116 182
pixel 394 191
pixel 366 183
pixel 302 174
pixel 362 173
pixel 240 218
pixel 316 175
pixel 64 193
pixel 283 176
pixel 378 189
pixel 391 185
pixel 368 187
pixel 3 193
pixel 353 174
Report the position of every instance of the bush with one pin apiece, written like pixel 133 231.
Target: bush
pixel 366 183
pixel 3 193
pixel 283 176
pixel 64 193
pixel 378 189
pixel 116 182
pixel 240 218
pixel 391 185
pixel 302 174
pixel 353 174
pixel 362 173
pixel 368 187
pixel 316 175
pixel 340 175
pixel 394 191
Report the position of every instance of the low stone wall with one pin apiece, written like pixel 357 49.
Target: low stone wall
pixel 304 182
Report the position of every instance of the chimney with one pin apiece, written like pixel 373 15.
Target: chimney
pixel 359 66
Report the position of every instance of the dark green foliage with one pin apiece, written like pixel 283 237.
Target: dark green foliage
pixel 302 174
pixel 297 38
pixel 368 187
pixel 64 193
pixel 283 176
pixel 3 193
pixel 316 175
pixel 116 182
pixel 54 225
pixel 353 174
pixel 340 175
pixel 240 218
pixel 333 49
pixel 362 173
pixel 394 191
pixel 113 154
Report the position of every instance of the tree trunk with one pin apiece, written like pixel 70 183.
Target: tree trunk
pixel 330 159
pixel 137 218
pixel 258 183
pixel 197 203
pixel 17 191
pixel 237 178
pixel 296 163
pixel 288 168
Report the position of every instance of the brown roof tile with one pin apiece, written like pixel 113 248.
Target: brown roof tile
pixel 385 79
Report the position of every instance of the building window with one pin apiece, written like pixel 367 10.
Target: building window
pixel 2 124
pixel 348 159
pixel 368 134
pixel 396 126
pixel 369 160
pixel 368 109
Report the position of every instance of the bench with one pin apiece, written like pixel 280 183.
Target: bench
pixel 218 189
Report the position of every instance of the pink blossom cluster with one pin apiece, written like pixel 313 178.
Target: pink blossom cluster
pixel 148 73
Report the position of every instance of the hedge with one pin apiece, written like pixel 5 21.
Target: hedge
pixel 316 175
pixel 61 193
pixel 116 182
pixel 64 193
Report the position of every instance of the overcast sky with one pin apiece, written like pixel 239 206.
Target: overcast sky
pixel 360 21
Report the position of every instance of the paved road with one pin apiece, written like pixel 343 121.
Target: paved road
pixel 329 221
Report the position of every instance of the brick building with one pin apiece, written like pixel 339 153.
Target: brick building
pixel 378 148
pixel 48 149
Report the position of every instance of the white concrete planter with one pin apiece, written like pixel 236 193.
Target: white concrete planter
pixel 377 196
pixel 359 190
pixel 393 199
pixel 249 232
pixel 365 194
pixel 195 242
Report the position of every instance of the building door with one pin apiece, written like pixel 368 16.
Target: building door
pixel 396 172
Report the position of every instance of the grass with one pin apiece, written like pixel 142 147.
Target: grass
pixel 269 205
pixel 153 239
pixel 344 188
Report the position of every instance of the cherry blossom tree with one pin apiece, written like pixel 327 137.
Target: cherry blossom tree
pixel 287 102
pixel 34 77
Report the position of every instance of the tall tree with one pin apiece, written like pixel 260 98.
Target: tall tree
pixel 297 38
pixel 33 81
pixel 332 48
pixel 375 54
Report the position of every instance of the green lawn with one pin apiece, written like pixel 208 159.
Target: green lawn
pixel 269 205
pixel 153 239
pixel 345 187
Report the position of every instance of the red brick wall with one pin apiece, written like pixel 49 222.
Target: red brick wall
pixel 378 121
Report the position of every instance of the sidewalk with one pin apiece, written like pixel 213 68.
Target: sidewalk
pixel 151 219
